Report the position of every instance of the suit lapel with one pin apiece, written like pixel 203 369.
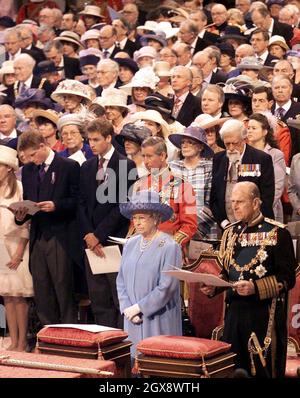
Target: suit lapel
pixel 48 184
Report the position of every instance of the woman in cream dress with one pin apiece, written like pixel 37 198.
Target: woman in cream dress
pixel 15 279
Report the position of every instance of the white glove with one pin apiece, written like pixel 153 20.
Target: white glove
pixel 132 311
pixel 136 320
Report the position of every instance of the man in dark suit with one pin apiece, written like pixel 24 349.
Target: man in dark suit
pixel 123 43
pixel 26 42
pixel 208 61
pixel 108 39
pixel 70 66
pixel 186 107
pixel 240 162
pixel 284 108
pixel 104 183
pixel 23 66
pixel 53 183
pixel 262 19
pixel 259 40
pixel 206 38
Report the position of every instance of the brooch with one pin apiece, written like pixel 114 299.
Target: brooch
pixel 260 271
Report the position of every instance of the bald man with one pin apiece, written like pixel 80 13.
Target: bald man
pixel 258 259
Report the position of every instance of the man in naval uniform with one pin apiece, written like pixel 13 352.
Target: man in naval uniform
pixel 258 258
pixel 173 191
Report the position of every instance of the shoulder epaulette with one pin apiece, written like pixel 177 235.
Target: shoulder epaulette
pixel 274 222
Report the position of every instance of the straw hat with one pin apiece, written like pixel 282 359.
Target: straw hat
pixel 7 67
pixel 70 86
pixel 69 36
pixel 9 157
pixel 146 201
pixel 47 114
pixel 162 68
pixel 206 121
pixel 114 97
pixel 279 40
pixel 93 11
pixel 90 34
pixel 153 116
pixel 144 77
pixel 196 133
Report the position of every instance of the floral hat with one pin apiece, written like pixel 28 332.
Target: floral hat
pixel 70 86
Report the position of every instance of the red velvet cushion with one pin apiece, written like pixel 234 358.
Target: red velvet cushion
pixel 80 338
pixel 181 347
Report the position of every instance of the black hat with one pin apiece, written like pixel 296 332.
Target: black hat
pixel 46 67
pixel 129 63
pixel 227 48
pixel 7 22
pixel 232 32
pixel 160 103
pixel 133 132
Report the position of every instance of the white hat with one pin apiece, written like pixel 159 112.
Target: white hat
pixel 7 67
pixel 146 51
pixel 167 28
pixel 69 36
pixel 70 119
pixel 114 97
pixel 153 116
pixel 162 68
pixel 207 121
pixel 9 157
pixel 70 86
pixel 144 77
pixel 92 10
pixel 90 34
pixel 149 25
pixel 279 40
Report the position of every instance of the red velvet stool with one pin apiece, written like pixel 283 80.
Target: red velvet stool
pixel 77 343
pixel 182 356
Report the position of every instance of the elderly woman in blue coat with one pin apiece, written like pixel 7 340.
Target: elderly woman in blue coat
pixel 149 299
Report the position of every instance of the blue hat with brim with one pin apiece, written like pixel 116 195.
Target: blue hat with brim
pixel 146 201
pixel 196 133
pixel 33 95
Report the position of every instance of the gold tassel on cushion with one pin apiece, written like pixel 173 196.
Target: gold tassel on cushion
pixel 100 356
pixel 135 370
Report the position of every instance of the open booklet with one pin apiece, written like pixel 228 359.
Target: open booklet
pixel 31 206
pixel 87 327
pixel 207 279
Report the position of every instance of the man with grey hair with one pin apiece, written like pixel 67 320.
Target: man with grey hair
pixel 23 66
pixel 208 61
pixel 239 162
pixel 8 119
pixel 186 107
pixel 26 42
pixel 54 52
pixel 107 73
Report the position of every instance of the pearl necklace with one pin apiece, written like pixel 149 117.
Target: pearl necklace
pixel 145 243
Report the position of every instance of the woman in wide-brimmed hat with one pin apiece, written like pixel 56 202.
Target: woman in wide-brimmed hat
pixel 7 73
pixel 149 299
pixel 142 84
pixel 196 167
pixel 46 121
pixel 131 137
pixel 15 279
pixel 71 43
pixel 116 109
pixel 158 126
pixel 72 95
pixel 211 127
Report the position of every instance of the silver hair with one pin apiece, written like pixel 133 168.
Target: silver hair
pixel 112 64
pixel 25 58
pixel 233 125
